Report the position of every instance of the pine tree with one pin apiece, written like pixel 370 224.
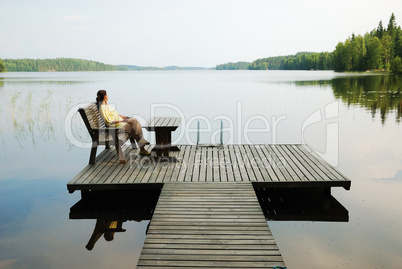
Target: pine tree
pixel 380 30
pixel 392 25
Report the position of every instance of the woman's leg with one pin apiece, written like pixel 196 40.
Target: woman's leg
pixel 133 127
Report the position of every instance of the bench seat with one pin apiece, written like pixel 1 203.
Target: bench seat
pixel 102 134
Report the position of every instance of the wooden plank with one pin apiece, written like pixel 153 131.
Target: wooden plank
pixel 211 252
pixel 262 166
pixel 338 175
pixel 162 122
pixel 236 170
pixel 207 229
pixel 313 165
pixel 254 162
pixel 134 168
pixel 158 121
pixel 241 164
pixel 177 170
pixel 197 164
pixel 82 176
pixel 305 163
pixel 190 165
pixel 115 175
pixel 292 161
pixel 290 151
pixel 203 168
pixel 234 163
pixel 280 164
pixel 217 264
pixel 216 165
pixel 252 247
pixel 222 165
pixel 102 167
pixel 151 122
pixel 245 160
pixel 155 173
pixel 227 228
pixel 220 258
pixel 172 166
pixel 145 165
pixel 177 122
pixel 184 167
pixel 111 172
pixel 287 163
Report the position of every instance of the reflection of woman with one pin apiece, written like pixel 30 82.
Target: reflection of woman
pixel 113 119
pixel 105 227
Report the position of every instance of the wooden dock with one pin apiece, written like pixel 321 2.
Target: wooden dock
pixel 208 214
pixel 209 225
pixel 265 165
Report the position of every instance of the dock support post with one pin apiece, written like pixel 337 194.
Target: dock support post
pixel 85 194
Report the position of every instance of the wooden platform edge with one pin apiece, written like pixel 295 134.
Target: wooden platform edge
pixel 346 184
pixel 87 187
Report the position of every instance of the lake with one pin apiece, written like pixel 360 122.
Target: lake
pixel 352 120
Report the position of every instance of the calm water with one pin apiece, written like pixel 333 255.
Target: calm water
pixel 352 120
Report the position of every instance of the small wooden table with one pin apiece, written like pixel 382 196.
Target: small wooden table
pixel 163 128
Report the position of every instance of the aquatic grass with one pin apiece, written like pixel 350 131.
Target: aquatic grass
pixel 13 100
pixel 46 129
pixel 29 118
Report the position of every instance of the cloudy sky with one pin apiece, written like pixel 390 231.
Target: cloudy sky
pixel 182 32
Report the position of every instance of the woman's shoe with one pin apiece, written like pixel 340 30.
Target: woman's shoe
pixel 144 152
pixel 143 142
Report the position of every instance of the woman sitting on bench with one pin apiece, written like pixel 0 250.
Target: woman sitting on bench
pixel 113 119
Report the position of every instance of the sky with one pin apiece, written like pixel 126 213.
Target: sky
pixel 183 32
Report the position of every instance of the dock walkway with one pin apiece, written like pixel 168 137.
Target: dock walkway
pixel 209 225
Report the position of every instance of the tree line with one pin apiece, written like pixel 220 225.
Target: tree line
pixel 299 61
pixel 57 65
pixel 381 49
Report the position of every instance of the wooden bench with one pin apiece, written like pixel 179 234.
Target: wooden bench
pixel 101 134
pixel 163 128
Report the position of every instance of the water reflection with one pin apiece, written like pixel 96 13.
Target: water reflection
pixel 113 208
pixel 306 204
pixel 107 228
pixel 377 93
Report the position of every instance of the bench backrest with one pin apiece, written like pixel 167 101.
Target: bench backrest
pixel 92 117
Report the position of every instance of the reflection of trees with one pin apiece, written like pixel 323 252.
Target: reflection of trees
pixel 313 83
pixel 376 93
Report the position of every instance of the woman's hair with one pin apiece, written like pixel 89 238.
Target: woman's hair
pixel 100 96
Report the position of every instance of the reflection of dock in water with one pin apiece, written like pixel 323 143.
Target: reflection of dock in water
pixel 214 201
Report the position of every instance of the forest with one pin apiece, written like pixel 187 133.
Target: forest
pixel 56 65
pixel 380 49
pixel 299 61
pixel 233 66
